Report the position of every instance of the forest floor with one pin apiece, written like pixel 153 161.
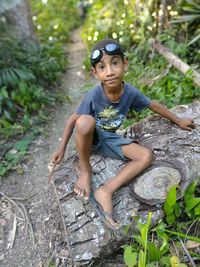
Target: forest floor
pixel 31 232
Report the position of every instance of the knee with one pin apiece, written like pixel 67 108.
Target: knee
pixel 147 156
pixel 85 124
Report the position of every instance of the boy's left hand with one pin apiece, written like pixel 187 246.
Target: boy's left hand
pixel 186 124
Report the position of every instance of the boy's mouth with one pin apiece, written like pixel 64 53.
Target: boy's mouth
pixel 111 80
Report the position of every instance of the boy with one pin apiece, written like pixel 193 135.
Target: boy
pixel 96 119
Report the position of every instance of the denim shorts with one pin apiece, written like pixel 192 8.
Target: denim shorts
pixel 109 144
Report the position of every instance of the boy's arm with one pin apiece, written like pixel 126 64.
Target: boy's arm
pixel 184 123
pixel 68 130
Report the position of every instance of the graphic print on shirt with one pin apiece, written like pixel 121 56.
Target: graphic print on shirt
pixel 109 119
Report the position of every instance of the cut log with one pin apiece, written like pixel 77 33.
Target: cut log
pixel 176 161
pixel 176 62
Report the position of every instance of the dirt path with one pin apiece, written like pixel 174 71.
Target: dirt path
pixel 37 199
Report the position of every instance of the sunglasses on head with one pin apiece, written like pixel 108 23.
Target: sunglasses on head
pixel 110 49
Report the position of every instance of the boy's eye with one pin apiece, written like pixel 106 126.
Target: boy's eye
pixel 101 67
pixel 115 62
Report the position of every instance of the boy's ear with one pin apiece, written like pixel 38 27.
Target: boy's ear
pixel 94 72
pixel 125 64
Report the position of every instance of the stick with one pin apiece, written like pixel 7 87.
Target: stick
pixel 13 232
pixel 13 202
pixel 175 61
pixel 52 168
pixel 187 253
pixel 29 224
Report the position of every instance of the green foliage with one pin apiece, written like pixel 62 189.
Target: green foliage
pixel 190 14
pixel 54 19
pixel 151 247
pixel 192 203
pixel 15 152
pixel 136 254
pixel 40 64
pixel 171 207
pixel 170 87
pixel 24 73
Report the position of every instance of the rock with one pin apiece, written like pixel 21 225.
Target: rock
pixel 176 161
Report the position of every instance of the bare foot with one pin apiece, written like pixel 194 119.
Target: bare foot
pixel 82 186
pixel 104 198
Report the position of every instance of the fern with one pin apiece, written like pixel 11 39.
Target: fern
pixel 13 76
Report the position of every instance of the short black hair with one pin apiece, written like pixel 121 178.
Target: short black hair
pixel 102 43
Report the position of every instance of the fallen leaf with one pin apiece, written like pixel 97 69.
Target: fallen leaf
pixel 191 244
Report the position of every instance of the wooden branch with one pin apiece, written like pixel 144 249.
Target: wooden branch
pixel 175 61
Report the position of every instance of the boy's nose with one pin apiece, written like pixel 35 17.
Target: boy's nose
pixel 109 71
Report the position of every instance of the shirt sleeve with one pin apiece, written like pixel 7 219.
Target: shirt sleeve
pixel 140 101
pixel 86 106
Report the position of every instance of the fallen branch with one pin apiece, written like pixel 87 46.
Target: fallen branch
pixel 29 224
pixel 175 61
pixel 150 82
pixel 51 168
pixel 24 214
pixel 13 202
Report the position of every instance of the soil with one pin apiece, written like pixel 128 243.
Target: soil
pixel 31 231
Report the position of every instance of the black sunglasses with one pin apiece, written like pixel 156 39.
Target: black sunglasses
pixel 110 49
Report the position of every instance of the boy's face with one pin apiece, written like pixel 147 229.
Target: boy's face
pixel 110 70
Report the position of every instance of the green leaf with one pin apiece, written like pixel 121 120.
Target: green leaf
pixel 171 196
pixel 130 257
pixel 165 260
pixel 24 75
pixel 22 145
pixel 171 218
pixel 191 188
pixel 153 252
pixel 7 115
pixel 142 259
pixel 177 210
pixel 168 209
pixel 197 210
pixel 193 238
pixel 190 204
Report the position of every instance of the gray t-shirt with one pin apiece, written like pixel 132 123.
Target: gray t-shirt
pixel 109 116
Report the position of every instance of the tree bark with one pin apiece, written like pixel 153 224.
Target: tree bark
pixel 20 20
pixel 162 17
pixel 176 161
pixel 176 62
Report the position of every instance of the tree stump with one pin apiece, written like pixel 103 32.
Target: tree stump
pixel 176 161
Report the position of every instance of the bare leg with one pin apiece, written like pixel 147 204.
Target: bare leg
pixel 84 134
pixel 141 157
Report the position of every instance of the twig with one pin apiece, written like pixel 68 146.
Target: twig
pixel 13 232
pixel 187 253
pixel 13 202
pixel 60 208
pixel 51 168
pixel 24 214
pixel 150 82
pixel 26 198
pixel 29 223
pixel 188 230
pixel 62 217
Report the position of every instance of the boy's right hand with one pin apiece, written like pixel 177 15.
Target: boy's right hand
pixel 57 156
